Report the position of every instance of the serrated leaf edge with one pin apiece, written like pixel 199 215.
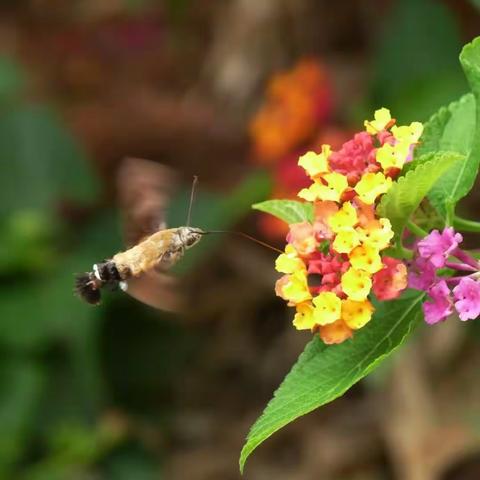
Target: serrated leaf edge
pixel 388 197
pixel 247 451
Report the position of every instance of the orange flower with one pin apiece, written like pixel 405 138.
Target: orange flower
pixel 302 237
pixel 297 101
pixel 335 333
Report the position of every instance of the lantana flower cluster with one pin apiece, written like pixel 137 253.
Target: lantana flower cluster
pixel 436 257
pixel 333 264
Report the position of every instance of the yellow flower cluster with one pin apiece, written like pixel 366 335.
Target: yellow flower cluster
pixel 342 247
pixel 394 155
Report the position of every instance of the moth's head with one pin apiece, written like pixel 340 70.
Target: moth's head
pixel 87 288
pixel 190 235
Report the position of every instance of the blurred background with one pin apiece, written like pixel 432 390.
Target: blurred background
pixel 232 91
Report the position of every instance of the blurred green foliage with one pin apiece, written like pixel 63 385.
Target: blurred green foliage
pixel 475 3
pixel 415 67
pixel 61 364
pixel 12 79
pixel 65 365
pixel 43 165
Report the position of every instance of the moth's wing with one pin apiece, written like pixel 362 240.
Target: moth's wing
pixel 144 191
pixel 158 290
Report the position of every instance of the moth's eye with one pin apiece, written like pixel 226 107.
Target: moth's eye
pixel 191 241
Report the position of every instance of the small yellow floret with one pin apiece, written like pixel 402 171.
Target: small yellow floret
pixel 356 284
pixel 328 308
pixel 315 163
pixel 393 156
pixel 408 133
pixel 345 217
pixel 303 319
pixel 289 262
pixel 356 314
pixel 382 119
pixel 346 240
pixel 311 193
pixel 296 288
pixel 376 234
pixel 366 258
pixel 336 184
pixel 371 185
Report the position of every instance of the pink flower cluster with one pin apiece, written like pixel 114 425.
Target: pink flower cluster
pixel 356 156
pixel 461 292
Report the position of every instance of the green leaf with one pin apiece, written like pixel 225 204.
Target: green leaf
pixel 450 129
pixel 456 128
pixel 323 373
pixel 290 211
pixel 26 241
pixel 470 60
pixel 22 384
pixel 37 310
pixel 41 160
pixel 407 192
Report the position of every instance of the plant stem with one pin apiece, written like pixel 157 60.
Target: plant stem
pixel 405 252
pixel 450 213
pixel 465 257
pixel 460 266
pixel 414 228
pixel 466 225
pixel 453 279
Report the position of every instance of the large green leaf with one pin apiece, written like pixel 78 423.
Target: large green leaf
pixel 289 211
pixel 407 192
pixel 322 373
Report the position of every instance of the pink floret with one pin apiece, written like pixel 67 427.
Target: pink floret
pixel 467 298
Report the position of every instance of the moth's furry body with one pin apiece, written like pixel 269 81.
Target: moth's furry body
pixel 160 250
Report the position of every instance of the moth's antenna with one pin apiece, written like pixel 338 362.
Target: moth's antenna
pixel 249 237
pixel 192 197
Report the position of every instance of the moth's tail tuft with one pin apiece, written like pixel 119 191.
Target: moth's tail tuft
pixel 86 288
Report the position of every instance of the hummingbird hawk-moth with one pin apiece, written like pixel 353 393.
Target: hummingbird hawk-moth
pixel 144 188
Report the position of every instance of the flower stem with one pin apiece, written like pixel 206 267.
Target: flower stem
pixel 450 213
pixel 453 279
pixel 460 266
pixel 418 231
pixel 405 252
pixel 466 225
pixel 466 258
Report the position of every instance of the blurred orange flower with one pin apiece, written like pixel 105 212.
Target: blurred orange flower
pixel 297 103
